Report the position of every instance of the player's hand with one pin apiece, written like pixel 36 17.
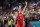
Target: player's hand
pixel 14 24
pixel 26 2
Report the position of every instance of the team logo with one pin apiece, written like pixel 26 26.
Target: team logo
pixel 20 15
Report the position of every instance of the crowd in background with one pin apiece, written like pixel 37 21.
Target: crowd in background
pixel 7 13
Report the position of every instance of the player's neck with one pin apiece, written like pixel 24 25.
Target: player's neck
pixel 19 11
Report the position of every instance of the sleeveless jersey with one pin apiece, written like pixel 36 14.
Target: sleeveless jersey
pixel 20 16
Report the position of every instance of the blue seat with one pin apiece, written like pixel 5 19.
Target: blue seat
pixel 35 23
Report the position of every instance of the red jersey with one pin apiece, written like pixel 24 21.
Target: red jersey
pixel 20 16
pixel 20 20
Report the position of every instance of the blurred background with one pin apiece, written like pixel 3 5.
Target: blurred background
pixel 31 16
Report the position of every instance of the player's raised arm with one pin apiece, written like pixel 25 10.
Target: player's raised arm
pixel 24 7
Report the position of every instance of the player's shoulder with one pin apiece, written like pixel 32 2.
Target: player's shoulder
pixel 21 13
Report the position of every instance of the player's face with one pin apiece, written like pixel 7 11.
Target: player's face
pixel 19 9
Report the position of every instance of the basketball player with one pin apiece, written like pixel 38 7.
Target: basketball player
pixel 20 16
